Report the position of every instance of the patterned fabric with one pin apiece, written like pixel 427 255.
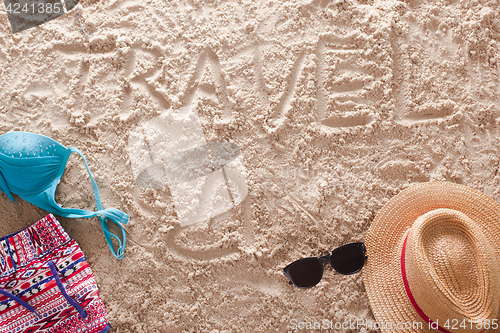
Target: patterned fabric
pixel 25 273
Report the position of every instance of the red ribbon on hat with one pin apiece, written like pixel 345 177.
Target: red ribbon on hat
pixel 410 296
pixel 408 292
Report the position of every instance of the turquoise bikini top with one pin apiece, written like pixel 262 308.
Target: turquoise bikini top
pixel 31 166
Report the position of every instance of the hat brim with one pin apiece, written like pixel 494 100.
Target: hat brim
pixel 382 273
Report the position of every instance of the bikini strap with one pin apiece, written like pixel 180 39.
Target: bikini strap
pixel 116 216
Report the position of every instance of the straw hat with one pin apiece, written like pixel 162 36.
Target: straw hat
pixel 433 258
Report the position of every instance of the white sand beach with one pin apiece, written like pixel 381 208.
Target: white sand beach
pixel 326 110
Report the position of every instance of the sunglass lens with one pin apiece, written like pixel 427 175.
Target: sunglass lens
pixel 348 259
pixel 306 272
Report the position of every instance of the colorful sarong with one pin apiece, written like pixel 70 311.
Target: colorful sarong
pixel 46 285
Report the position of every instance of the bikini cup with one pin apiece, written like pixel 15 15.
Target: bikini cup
pixel 31 166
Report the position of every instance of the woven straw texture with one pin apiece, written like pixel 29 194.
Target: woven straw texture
pixel 463 285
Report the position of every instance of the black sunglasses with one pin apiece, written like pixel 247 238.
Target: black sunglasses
pixel 307 272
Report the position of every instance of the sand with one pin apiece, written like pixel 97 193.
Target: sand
pixel 334 107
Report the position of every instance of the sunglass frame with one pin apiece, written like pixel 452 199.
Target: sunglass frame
pixel 326 258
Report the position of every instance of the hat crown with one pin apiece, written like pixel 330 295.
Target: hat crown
pixel 452 270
